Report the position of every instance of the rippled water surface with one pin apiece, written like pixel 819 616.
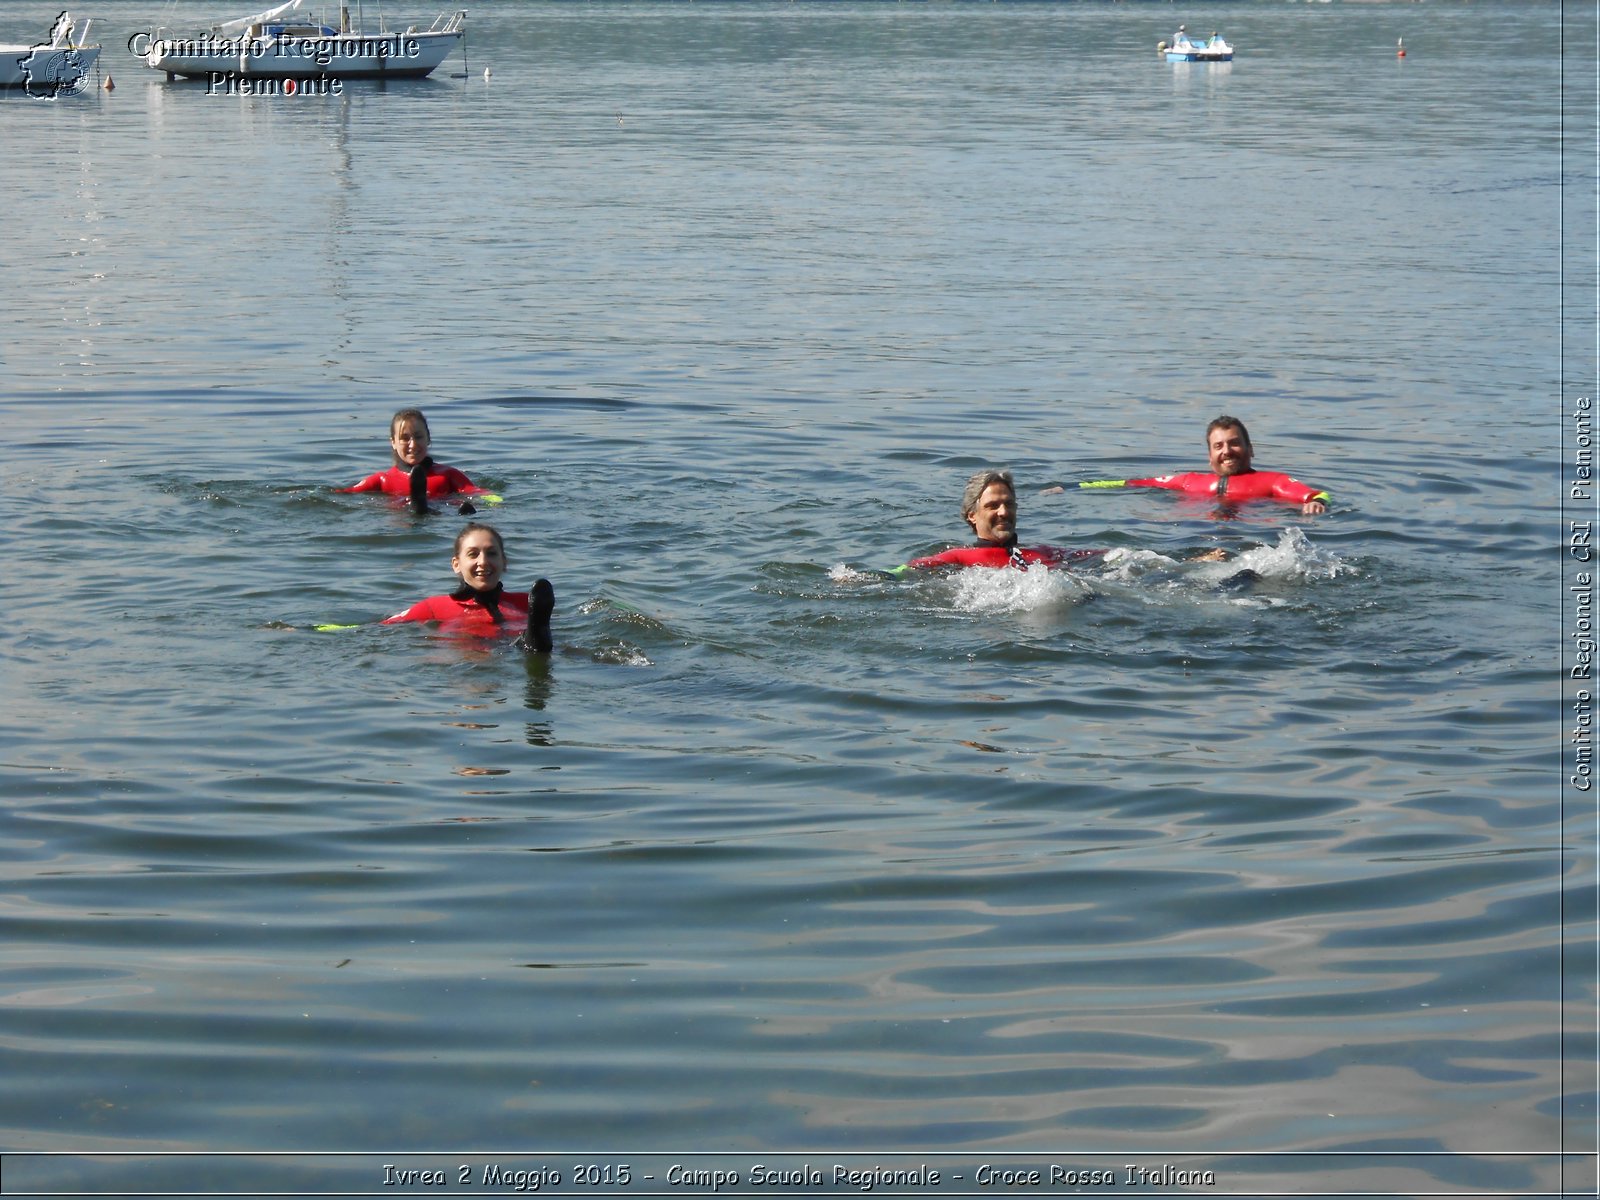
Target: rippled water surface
pixel 778 852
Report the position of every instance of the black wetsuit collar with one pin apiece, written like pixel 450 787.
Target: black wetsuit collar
pixel 490 600
pixel 1013 551
pixel 1222 482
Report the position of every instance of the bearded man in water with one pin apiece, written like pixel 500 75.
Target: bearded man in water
pixel 1233 477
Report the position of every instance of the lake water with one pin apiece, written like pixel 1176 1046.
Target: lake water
pixel 777 856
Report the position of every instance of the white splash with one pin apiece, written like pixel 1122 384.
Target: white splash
pixel 845 573
pixel 1292 559
pixel 1129 566
pixel 987 590
pixel 621 654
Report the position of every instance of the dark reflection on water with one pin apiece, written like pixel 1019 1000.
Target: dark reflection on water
pixel 777 851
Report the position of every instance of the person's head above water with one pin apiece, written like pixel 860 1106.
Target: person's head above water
pixel 1228 446
pixel 989 505
pixel 409 437
pixel 479 556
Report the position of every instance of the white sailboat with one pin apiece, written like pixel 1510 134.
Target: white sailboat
pixel 277 45
pixel 58 65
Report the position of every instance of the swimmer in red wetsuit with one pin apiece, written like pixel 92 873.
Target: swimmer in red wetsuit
pixel 481 605
pixel 409 438
pixel 1233 478
pixel 989 505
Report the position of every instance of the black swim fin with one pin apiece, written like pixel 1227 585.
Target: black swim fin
pixel 419 486
pixel 541 603
pixel 1239 581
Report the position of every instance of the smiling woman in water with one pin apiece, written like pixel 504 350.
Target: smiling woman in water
pixel 481 606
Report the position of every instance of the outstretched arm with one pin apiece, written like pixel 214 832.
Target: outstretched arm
pixel 1310 499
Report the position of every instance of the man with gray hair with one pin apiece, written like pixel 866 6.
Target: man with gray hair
pixel 989 506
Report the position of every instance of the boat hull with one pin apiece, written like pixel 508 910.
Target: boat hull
pixel 52 68
pixel 339 56
pixel 1184 48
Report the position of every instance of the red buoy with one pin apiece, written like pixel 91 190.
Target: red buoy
pixel 1401 52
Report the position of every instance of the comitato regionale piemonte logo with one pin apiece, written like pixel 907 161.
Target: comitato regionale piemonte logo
pixel 55 67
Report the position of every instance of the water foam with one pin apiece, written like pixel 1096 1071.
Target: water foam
pixel 844 573
pixel 1293 559
pixel 986 590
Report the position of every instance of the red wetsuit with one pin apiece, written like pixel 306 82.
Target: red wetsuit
pixel 464 610
pixel 991 555
pixel 1252 485
pixel 396 481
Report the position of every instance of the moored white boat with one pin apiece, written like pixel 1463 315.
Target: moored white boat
pixel 274 45
pixel 60 64
pixel 1183 48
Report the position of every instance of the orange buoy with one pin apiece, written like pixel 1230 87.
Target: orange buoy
pixel 1400 51
pixel 108 85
